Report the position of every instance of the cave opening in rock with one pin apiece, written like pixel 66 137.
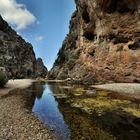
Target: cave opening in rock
pixel 120 39
pixel 121 6
pixel 125 6
pixel 88 35
pixel 85 15
pixel 135 45
pixel 110 6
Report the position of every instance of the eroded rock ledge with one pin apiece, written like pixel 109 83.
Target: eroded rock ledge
pixel 103 43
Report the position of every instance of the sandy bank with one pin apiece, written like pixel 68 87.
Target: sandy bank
pixel 128 88
pixel 13 84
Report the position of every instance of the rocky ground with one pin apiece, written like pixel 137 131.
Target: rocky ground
pixel 16 120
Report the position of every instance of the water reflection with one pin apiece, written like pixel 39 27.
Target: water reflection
pixel 37 90
pixel 67 122
pixel 46 108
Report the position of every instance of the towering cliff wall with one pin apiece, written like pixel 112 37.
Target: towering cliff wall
pixel 16 55
pixel 103 43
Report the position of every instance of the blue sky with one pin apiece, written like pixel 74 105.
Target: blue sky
pixel 46 27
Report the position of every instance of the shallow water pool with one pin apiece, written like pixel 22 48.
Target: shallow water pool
pixel 81 113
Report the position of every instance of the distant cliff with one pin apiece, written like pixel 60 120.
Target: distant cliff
pixel 103 44
pixel 40 69
pixel 18 56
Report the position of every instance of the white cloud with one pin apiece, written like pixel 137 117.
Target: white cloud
pixel 39 38
pixel 16 14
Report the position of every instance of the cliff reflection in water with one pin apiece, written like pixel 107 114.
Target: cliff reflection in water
pixel 54 106
pixel 37 90
pixel 46 109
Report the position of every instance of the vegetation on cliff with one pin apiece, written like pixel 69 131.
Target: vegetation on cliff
pixel 3 79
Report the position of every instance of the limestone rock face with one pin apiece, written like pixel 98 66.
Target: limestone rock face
pixel 16 55
pixel 103 44
pixel 41 70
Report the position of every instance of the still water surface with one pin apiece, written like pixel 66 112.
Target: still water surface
pixel 46 108
pixel 54 106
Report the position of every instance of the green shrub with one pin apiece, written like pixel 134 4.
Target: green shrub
pixel 3 79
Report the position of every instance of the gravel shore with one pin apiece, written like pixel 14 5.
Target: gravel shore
pixel 16 119
pixel 126 88
pixel 13 84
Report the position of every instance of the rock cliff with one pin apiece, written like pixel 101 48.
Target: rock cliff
pixel 41 70
pixel 16 55
pixel 103 44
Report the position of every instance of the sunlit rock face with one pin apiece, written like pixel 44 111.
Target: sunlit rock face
pixel 16 55
pixel 103 43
